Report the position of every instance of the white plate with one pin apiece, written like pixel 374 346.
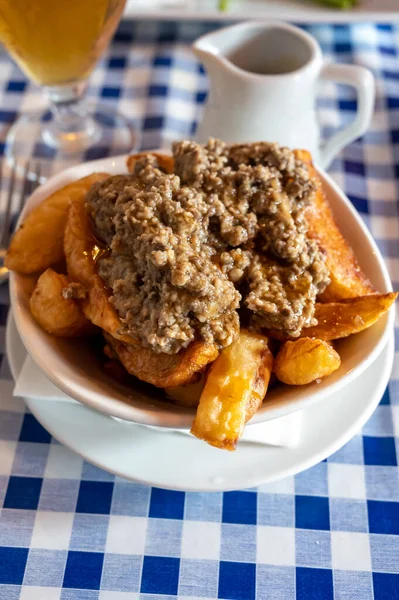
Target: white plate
pixel 176 461
pixel 300 11
pixel 73 366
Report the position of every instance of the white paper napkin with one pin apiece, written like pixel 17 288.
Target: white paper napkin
pixel 283 432
pixel 32 383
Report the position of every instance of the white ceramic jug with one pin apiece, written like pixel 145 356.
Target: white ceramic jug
pixel 263 84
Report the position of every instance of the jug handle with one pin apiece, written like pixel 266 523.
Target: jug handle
pixel 363 81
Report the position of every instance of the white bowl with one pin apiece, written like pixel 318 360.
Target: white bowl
pixel 74 368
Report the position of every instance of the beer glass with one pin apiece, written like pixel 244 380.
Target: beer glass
pixel 57 44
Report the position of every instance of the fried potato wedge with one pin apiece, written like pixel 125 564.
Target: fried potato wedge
pixel 347 278
pixel 337 320
pixel 57 315
pixel 39 241
pixel 80 251
pixel 235 387
pixel 305 360
pixel 163 370
pixel 165 161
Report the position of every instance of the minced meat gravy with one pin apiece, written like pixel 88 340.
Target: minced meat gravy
pixel 227 229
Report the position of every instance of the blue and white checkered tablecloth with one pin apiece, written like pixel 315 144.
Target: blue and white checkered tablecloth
pixel 73 532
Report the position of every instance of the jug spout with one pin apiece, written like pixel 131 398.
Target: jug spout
pixel 222 42
pixel 208 53
pixel 211 43
pixel 219 47
pixel 208 59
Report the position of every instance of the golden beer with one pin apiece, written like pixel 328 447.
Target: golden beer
pixel 58 42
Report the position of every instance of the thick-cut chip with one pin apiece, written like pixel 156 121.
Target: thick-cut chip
pixel 337 320
pixel 57 315
pixel 235 387
pixel 163 370
pixel 165 161
pixel 305 360
pixel 347 278
pixel 38 243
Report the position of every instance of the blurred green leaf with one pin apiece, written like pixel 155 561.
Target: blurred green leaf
pixel 343 4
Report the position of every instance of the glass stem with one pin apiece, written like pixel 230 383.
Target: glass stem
pixel 71 128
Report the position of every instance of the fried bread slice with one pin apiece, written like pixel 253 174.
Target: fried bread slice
pixel 38 243
pixel 347 278
pixel 163 370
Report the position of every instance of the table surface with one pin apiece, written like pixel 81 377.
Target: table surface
pixel 69 530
